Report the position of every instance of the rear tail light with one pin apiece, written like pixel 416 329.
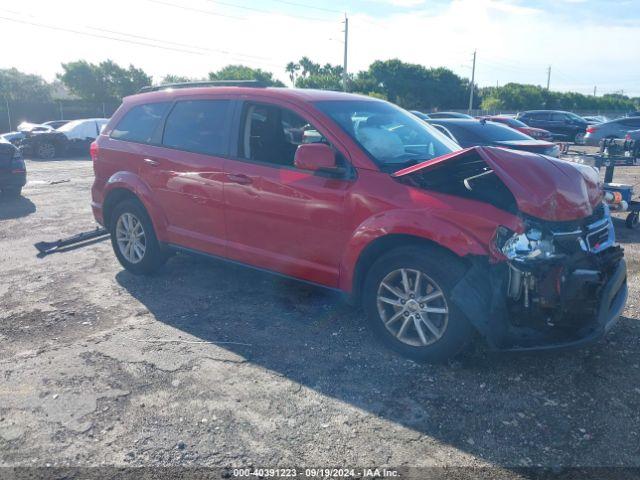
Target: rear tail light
pixel 93 151
pixel 591 129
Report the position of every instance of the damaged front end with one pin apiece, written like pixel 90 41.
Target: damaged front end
pixel 560 279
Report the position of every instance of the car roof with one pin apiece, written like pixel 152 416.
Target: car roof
pixel 457 121
pixel 300 94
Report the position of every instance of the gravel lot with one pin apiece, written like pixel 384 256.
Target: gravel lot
pixel 101 367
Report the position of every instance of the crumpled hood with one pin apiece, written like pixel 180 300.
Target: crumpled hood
pixel 543 187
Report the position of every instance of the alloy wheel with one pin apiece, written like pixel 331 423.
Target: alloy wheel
pixel 46 150
pixel 412 307
pixel 131 238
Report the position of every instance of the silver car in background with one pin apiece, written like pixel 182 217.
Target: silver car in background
pixel 617 128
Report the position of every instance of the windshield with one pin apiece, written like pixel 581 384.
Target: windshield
pixel 471 133
pixel 573 116
pixel 67 127
pixel 393 137
pixel 512 122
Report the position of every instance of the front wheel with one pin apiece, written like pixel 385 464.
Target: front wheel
pixel 407 298
pixel 134 240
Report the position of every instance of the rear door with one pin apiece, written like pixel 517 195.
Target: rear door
pixel 277 216
pixel 186 171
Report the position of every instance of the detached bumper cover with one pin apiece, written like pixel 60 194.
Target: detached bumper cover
pixel 480 296
pixel 612 303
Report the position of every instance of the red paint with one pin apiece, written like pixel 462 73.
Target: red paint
pixel 315 156
pixel 537 133
pixel 312 227
pixel 543 187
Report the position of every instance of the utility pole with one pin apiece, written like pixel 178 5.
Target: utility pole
pixel 6 101
pixel 346 47
pixel 595 89
pixel 473 80
pixel 548 77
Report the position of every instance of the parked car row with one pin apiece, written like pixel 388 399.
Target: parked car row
pixel 56 137
pixel 555 125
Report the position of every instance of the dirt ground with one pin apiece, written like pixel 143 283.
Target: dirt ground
pixel 208 364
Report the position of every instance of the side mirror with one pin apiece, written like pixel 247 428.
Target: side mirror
pixel 315 157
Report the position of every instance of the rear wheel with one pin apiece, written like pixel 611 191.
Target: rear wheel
pixel 407 300
pixel 579 138
pixel 45 150
pixel 134 240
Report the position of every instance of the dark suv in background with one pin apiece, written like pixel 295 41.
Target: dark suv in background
pixel 13 173
pixel 564 125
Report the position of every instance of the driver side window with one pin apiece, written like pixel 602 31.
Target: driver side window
pixel 272 134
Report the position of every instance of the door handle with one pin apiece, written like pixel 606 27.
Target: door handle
pixel 239 178
pixel 151 162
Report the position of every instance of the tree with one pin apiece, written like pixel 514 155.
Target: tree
pixel 292 69
pixel 170 78
pixel 413 86
pixel 106 81
pixel 242 72
pixel 15 85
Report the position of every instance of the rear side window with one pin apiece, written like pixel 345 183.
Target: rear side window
pixel 200 126
pixel 140 123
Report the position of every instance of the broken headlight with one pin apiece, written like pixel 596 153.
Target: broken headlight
pixel 530 245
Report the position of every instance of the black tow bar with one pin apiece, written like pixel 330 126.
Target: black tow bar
pixel 46 248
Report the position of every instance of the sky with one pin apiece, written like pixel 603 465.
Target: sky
pixel 587 43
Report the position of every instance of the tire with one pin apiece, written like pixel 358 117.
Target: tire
pixel 578 138
pixel 632 220
pixel 12 192
pixel 146 255
pixel 45 150
pixel 444 335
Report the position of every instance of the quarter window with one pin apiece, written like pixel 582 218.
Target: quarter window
pixel 140 123
pixel 199 126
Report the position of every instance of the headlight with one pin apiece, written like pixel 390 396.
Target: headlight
pixel 524 246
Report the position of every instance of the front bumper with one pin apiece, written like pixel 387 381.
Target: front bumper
pixel 612 302
pixel 481 296
pixel 11 179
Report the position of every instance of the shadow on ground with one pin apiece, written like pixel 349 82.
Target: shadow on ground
pixel 572 408
pixel 15 207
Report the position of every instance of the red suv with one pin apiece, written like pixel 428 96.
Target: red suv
pixel 357 195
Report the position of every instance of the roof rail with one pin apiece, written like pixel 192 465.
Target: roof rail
pixel 216 83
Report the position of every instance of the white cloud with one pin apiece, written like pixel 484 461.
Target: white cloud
pixel 514 41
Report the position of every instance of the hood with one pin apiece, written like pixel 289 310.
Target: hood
pixel 548 189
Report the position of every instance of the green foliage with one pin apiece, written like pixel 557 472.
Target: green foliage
pixel 178 79
pixel 104 82
pixel 242 72
pixel 515 96
pixel 15 85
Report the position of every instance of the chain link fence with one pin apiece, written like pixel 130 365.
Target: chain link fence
pixel 12 113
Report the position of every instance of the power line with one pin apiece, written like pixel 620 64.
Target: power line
pixel 97 35
pixel 197 47
pixel 188 50
pixel 253 9
pixel 198 10
pixel 296 4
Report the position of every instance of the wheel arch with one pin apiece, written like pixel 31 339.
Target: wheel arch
pixel 385 244
pixel 127 185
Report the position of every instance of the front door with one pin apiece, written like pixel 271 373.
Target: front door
pixel 279 217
